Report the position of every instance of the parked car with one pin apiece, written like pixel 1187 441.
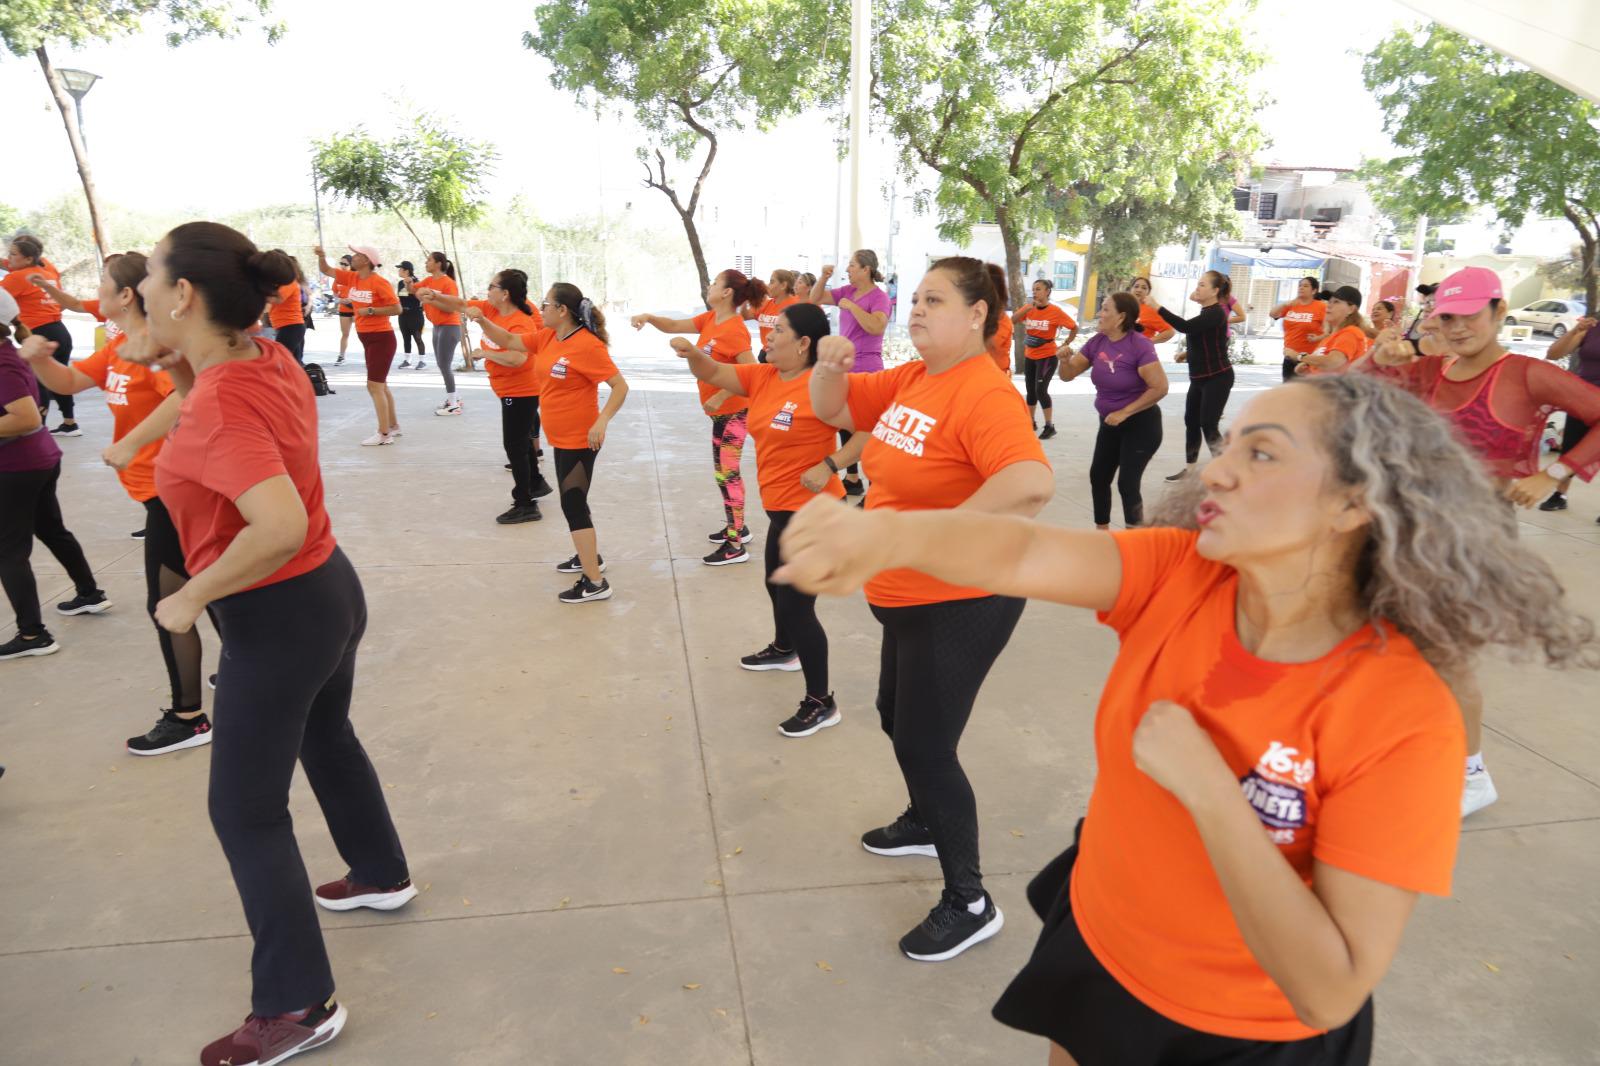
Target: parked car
pixel 1549 316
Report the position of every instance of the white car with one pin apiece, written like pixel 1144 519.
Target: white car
pixel 1548 316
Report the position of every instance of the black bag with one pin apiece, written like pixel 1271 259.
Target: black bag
pixel 319 380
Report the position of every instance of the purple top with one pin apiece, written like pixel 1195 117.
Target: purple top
pixel 1587 363
pixel 36 451
pixel 1114 369
pixel 869 346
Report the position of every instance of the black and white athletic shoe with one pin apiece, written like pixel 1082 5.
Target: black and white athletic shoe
pixel 574 565
pixel 89 603
pixel 172 733
pixel 67 429
pixel 950 928
pixel 518 514
pixel 20 647
pixel 904 836
pixel 731 551
pixel 772 658
pixel 745 536
pixel 813 716
pixel 585 591
pixel 137 534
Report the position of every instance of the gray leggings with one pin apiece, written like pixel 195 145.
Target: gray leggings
pixel 445 339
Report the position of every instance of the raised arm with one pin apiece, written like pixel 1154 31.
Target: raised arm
pixel 1564 346
pixel 1074 364
pixel 323 264
pixel 435 298
pixel 664 324
pixel 1208 320
pixel 514 352
pixel 819 291
pixel 66 380
pixel 708 370
pixel 830 387
pixel 71 303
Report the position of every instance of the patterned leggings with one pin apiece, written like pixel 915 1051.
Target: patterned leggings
pixel 727 445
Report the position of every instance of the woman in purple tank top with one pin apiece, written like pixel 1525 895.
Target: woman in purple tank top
pixel 863 318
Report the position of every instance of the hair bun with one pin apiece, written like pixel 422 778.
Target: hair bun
pixel 271 270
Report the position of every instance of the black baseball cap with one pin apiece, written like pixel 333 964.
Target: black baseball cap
pixel 405 264
pixel 1349 294
pixel 1427 290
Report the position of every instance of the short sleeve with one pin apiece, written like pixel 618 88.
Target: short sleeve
pixel 346 278
pixel 92 307
pixel 877 301
pixel 752 376
pixel 702 319
pixel 736 335
pixel 16 381
pixel 841 292
pixel 383 289
pixel 1091 347
pixel 1144 350
pixel 1148 557
pixel 538 340
pixel 95 367
pixel 160 381
pixel 1068 321
pixel 871 394
pixel 241 452
pixel 997 433
pixel 597 363
pixel 483 305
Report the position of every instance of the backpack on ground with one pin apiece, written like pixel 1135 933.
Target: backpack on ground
pixel 319 380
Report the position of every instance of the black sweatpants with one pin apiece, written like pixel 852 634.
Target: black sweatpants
pixel 58 332
pixel 844 438
pixel 519 433
pixel 934 659
pixel 283 693
pixel 294 338
pixel 795 625
pixel 1122 452
pixel 1036 377
pixel 1202 413
pixel 411 329
pixel 28 509
pixel 164 574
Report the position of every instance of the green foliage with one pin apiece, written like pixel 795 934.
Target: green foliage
pixel 360 169
pixel 29 24
pixel 445 172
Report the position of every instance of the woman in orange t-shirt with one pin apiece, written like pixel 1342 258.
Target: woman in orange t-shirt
pixel 143 408
pixel 1302 319
pixel 780 295
pixel 1043 320
pixel 285 314
pixel 724 337
pixel 796 461
pixel 42 316
pixel 570 356
pixel 374 303
pixel 1278 760
pixel 346 312
pixel 1001 343
pixel 1346 340
pixel 514 378
pixel 1157 330
pixel 946 431
pixel 446 327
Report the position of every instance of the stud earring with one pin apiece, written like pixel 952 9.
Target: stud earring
pixel 173 314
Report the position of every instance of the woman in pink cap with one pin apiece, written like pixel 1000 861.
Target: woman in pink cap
pixel 1499 403
pixel 374 302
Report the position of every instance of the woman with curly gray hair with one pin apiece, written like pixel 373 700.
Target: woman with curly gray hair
pixel 1279 761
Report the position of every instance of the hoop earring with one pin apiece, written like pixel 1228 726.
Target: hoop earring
pixel 173 314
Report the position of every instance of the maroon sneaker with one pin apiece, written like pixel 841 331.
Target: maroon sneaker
pixel 266 1041
pixel 346 895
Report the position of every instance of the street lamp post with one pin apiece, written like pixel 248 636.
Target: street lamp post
pixel 78 83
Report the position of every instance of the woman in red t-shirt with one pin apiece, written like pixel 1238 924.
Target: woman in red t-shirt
pixel 724 337
pixel 1278 761
pixel 143 408
pixel 373 302
pixel 239 475
pixel 41 315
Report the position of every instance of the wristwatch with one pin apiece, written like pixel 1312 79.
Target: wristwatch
pixel 1558 470
pixel 828 460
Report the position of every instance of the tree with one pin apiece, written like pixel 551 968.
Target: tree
pixel 445 173
pixel 689 71
pixel 1022 108
pixel 30 25
pixel 1474 128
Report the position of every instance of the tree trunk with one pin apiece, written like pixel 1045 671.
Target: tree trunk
pixel 1019 295
pixel 1089 300
pixel 69 119
pixel 1590 236
pixel 407 224
pixel 695 250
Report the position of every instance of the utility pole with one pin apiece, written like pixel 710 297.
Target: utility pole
pixel 860 76
pixel 1419 241
pixel 316 204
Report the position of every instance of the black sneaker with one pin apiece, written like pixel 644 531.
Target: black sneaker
pixel 585 591
pixel 1048 431
pixel 745 536
pixel 90 603
pixel 519 513
pixel 574 565
pixel 541 488
pixel 1179 476
pixel 904 836
pixel 137 534
pixel 949 929
pixel 772 658
pixel 814 715
pixel 1556 502
pixel 730 552
pixel 66 430
pixel 854 487
pixel 20 647
pixel 172 733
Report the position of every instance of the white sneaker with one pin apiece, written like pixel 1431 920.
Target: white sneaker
pixel 1478 792
pixel 394 431
pixel 449 407
pixel 377 439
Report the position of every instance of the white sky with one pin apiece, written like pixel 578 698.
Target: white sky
pixel 222 125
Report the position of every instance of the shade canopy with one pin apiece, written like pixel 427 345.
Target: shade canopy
pixel 1558 38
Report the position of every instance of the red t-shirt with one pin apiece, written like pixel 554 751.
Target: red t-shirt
pixel 1042 324
pixel 790 438
pixel 511 381
pixel 724 342
pixel 569 374
pixel 35 308
pixel 373 290
pixel 445 285
pixel 244 422
pixel 936 438
pixel 1353 760
pixel 132 392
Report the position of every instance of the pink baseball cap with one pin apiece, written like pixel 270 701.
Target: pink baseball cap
pixel 1467 291
pixel 370 252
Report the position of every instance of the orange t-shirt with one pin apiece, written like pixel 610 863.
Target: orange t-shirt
pixel 936 438
pixel 445 285
pixel 1000 343
pixel 1348 341
pixel 569 373
pixel 1152 322
pixel 34 306
pixel 286 312
pixel 724 342
pixel 767 317
pixel 132 392
pixel 372 291
pixel 92 307
pixel 512 380
pixel 1042 324
pixel 1353 760
pixel 790 438
pixel 1299 322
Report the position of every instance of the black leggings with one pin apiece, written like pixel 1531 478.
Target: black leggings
pixel 935 657
pixel 411 329
pixel 283 693
pixel 1202 413
pixel 1122 452
pixel 844 438
pixel 58 332
pixel 795 625
pixel 164 574
pixel 1036 377
pixel 519 433
pixel 1289 368
pixel 574 474
pixel 28 509
pixel 294 339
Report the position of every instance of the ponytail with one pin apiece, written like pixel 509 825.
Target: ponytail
pixel 745 290
pixel 445 265
pixel 581 308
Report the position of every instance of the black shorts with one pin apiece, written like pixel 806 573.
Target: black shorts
pixel 1065 995
pixel 347 314
pixel 1572 434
